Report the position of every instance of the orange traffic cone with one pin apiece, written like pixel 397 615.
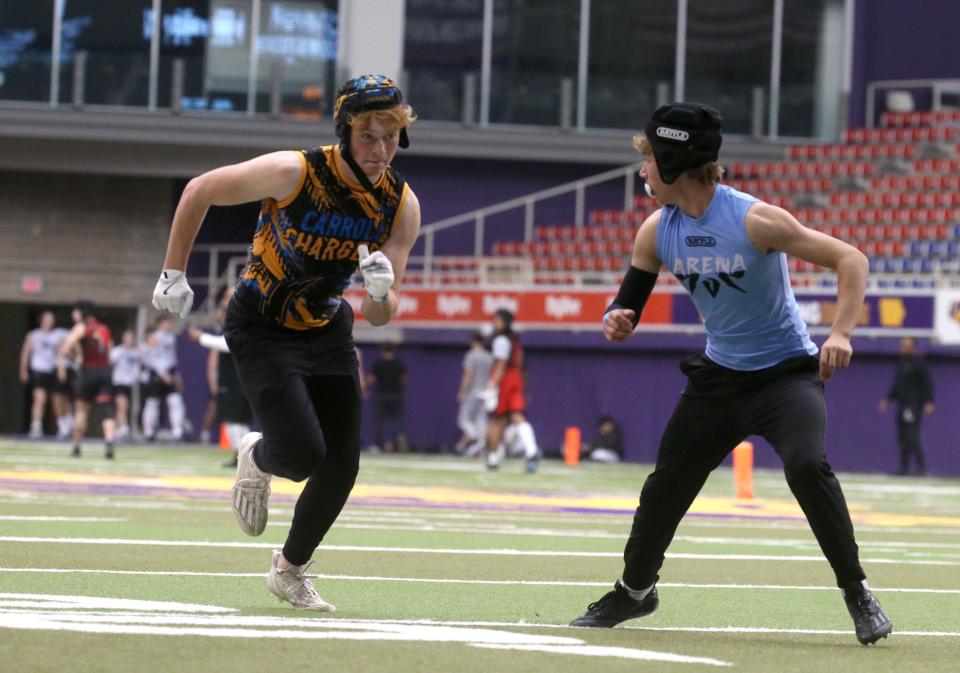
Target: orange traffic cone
pixel 224 438
pixel 743 470
pixel 571 445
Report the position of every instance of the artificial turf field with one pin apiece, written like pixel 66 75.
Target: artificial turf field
pixel 436 565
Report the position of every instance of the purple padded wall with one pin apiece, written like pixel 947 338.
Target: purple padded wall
pixel 902 40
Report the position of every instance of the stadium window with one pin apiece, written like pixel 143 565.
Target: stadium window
pixel 442 45
pixel 535 47
pixel 117 68
pixel 729 48
pixel 296 52
pixel 184 29
pixel 632 55
pixel 25 43
pixel 811 76
pixel 298 45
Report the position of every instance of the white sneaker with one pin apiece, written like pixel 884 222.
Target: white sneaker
pixel 495 457
pixel 293 585
pixel 36 431
pixel 251 489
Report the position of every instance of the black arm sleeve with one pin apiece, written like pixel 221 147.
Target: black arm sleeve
pixel 634 292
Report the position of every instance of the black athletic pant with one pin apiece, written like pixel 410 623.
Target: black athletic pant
pixel 717 410
pixel 908 435
pixel 305 390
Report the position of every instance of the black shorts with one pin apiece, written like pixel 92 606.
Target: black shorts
pixel 68 387
pixel 45 380
pixel 126 391
pixel 263 352
pixel 232 405
pixel 157 387
pixel 94 385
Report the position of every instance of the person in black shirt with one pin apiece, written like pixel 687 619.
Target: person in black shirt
pixel 912 390
pixel 608 445
pixel 389 380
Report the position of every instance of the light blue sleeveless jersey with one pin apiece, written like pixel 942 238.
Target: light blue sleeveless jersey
pixel 743 295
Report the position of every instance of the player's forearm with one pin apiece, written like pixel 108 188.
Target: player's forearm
pixel 379 313
pixel 851 288
pixel 186 223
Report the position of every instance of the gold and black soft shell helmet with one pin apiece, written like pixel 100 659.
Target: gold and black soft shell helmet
pixel 362 94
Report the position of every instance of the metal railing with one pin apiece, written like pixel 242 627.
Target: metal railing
pixel 937 87
pixel 528 203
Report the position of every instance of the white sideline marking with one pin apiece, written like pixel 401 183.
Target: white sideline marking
pixel 421 550
pixel 76 519
pixel 446 580
pixel 789 542
pixel 94 603
pixel 761 629
pixel 73 613
pixel 598 651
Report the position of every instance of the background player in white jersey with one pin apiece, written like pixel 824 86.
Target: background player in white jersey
pixel 38 369
pixel 125 361
pixel 163 382
pixel 472 413
pixel 157 383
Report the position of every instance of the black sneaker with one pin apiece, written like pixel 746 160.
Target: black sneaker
pixel 108 452
pixel 75 451
pixel 617 606
pixel 868 619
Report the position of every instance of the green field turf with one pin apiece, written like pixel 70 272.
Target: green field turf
pixel 438 565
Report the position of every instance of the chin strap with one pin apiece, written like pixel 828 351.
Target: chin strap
pixel 359 174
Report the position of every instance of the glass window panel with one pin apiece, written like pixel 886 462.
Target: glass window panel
pixel 183 36
pixel 116 39
pixel 632 53
pixel 443 41
pixel 25 43
pixel 535 46
pixel 811 71
pixel 227 71
pixel 728 54
pixel 297 48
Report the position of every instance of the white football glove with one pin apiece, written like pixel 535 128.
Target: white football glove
pixel 490 397
pixel 377 273
pixel 173 293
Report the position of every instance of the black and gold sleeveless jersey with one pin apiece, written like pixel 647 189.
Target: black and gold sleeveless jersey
pixel 304 250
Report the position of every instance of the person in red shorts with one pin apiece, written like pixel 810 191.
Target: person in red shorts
pixel 505 399
pixel 94 384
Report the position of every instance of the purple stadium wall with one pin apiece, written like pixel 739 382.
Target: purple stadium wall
pixel 574 378
pixel 902 40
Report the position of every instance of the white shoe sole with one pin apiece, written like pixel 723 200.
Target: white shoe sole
pixel 250 495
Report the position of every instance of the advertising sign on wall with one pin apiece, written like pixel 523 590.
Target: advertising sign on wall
pixel 946 323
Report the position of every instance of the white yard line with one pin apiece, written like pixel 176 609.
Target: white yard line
pixel 74 519
pixel 438 580
pixel 422 550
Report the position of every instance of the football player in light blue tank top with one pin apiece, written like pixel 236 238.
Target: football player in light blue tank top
pixel 759 374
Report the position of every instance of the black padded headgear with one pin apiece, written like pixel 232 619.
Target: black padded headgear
pixel 86 308
pixel 362 94
pixel 684 136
